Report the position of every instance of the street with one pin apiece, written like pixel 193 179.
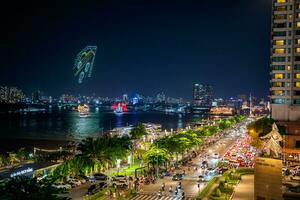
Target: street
pixel 189 183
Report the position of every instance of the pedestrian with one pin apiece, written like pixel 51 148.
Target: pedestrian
pixel 163 187
pixel 170 189
pixel 159 194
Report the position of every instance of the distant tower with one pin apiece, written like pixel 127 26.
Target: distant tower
pixel 250 106
pixel 125 98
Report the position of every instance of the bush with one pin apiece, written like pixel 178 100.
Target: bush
pixel 205 191
pixel 218 192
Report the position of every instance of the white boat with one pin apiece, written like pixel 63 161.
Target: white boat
pixel 83 110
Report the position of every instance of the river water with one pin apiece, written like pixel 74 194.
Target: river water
pixel 67 125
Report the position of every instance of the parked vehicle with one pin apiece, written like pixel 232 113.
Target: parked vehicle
pixel 93 189
pixel 74 182
pixel 119 183
pixel 64 187
pixel 100 177
pixel 120 177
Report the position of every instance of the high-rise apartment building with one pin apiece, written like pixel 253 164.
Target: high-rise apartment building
pixel 11 95
pixel 202 97
pixel 285 60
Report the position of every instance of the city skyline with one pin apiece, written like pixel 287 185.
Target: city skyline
pixel 139 54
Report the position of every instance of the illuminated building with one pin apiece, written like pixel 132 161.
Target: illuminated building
pixel 202 98
pixel 160 97
pixel 36 96
pixel 125 98
pixel 66 98
pixel 221 111
pixel 285 60
pixel 11 95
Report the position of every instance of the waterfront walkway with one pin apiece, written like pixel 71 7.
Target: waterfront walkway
pixel 245 189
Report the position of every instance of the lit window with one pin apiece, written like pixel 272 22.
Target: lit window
pixel 297 84
pixel 297 75
pixel 278 92
pixel 290 16
pixel 298 15
pixel 298 24
pixel 278 76
pixel 279 42
pixel 279 51
pixel 278 84
pixel 288 67
pixel 297 50
pixel 281 1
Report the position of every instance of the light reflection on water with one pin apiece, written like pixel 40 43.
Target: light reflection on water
pixel 65 124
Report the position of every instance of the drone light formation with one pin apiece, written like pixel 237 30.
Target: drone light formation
pixel 84 63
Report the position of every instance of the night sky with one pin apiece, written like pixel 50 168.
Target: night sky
pixel 143 46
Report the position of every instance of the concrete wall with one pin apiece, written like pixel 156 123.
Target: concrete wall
pixel 267 179
pixel 285 112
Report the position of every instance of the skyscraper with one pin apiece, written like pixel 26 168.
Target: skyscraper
pixel 285 60
pixel 202 97
pixel 11 95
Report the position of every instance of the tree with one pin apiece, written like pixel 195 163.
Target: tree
pixel 3 160
pixel 26 188
pixel 263 126
pixel 138 131
pixel 224 123
pixel 256 141
pixel 156 156
pixel 22 154
pixel 12 158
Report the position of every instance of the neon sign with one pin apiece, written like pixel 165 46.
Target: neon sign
pixel 21 172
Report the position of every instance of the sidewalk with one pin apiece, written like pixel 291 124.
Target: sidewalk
pixel 245 189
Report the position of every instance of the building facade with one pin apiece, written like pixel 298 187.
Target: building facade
pixel 285 60
pixel 11 95
pixel 202 97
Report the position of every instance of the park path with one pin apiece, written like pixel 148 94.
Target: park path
pixel 245 189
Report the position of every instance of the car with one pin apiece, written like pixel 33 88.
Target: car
pixel 216 156
pixel 211 171
pixel 91 179
pixel 93 189
pixel 119 177
pixel 201 178
pixel 64 187
pixel 177 177
pixel 82 180
pixel 100 177
pixel 119 183
pixel 204 164
pixel 74 182
pixel 167 174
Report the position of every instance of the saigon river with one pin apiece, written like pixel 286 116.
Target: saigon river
pixel 67 125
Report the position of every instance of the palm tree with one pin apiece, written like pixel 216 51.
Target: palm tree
pixel 12 158
pixel 22 154
pixel 105 150
pixel 138 131
pixel 3 160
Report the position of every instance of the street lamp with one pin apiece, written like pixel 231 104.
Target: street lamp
pixel 157 163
